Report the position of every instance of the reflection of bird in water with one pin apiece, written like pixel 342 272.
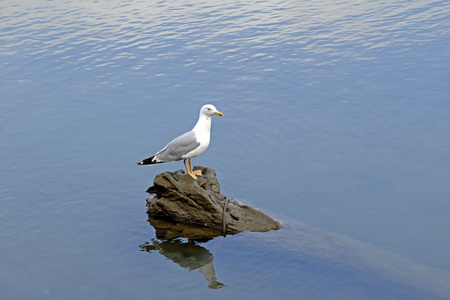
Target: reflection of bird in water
pixel 188 145
pixel 188 255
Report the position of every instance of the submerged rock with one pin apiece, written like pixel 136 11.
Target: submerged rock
pixel 178 197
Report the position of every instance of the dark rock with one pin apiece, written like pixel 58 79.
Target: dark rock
pixel 180 198
pixel 168 229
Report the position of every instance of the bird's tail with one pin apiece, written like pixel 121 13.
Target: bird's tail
pixel 147 161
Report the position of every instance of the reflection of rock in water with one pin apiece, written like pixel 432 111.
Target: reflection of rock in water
pixel 188 255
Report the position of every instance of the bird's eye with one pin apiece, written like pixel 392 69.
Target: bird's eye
pixel 209 108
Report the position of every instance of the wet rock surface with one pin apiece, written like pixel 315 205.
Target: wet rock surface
pixel 176 196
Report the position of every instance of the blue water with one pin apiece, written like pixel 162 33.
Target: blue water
pixel 336 114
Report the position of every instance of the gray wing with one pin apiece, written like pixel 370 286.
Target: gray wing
pixel 180 146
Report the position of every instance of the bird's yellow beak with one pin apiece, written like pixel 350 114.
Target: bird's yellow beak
pixel 219 113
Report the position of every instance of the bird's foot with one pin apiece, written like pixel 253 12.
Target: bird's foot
pixel 197 172
pixel 192 175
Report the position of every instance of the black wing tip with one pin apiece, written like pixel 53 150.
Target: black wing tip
pixel 147 161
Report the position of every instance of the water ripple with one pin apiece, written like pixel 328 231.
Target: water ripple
pixel 255 34
pixel 315 26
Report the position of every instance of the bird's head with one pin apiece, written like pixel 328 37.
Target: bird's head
pixel 210 110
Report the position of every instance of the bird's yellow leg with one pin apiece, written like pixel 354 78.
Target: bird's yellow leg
pixel 189 171
pixel 196 172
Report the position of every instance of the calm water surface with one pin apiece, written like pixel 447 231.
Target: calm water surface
pixel 336 114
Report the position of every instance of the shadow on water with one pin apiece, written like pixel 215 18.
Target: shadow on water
pixel 189 255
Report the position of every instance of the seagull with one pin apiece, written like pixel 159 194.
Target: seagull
pixel 188 145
